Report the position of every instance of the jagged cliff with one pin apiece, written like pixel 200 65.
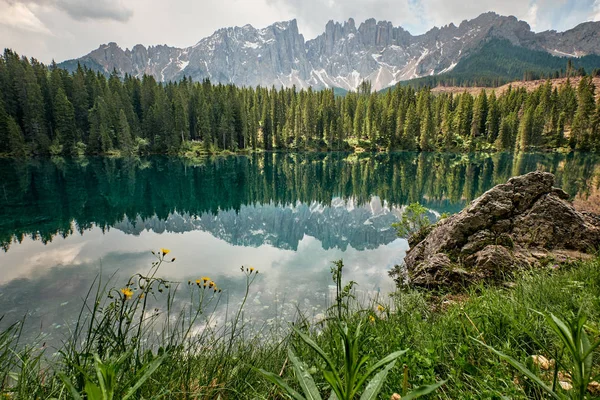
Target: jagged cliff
pixel 342 56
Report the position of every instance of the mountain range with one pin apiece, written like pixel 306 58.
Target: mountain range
pixel 340 224
pixel 343 56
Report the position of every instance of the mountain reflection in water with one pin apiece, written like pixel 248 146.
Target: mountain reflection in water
pixel 289 215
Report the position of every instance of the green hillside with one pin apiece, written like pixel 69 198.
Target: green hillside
pixel 498 62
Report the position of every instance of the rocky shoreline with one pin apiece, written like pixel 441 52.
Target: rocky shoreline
pixel 524 223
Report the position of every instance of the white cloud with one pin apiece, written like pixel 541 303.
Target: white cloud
pixel 532 16
pixel 18 16
pixel 596 11
pixel 81 9
pixel 95 9
pixel 80 26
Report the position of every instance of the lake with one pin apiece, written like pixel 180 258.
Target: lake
pixel 62 222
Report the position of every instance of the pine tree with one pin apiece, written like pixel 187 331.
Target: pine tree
pixel 582 123
pixel 99 140
pixel 525 131
pixel 411 129
pixel 4 134
pixel 427 139
pixel 80 101
pixel 480 111
pixel 64 121
pixel 446 128
pixel 16 141
pixel 124 139
pixel 492 123
pixel 505 140
pixel 267 126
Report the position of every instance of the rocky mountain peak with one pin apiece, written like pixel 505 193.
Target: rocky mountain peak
pixel 342 56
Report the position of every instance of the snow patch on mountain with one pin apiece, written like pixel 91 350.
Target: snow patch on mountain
pixel 344 55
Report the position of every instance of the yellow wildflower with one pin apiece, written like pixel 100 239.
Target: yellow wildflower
pixel 380 308
pixel 251 269
pixel 211 284
pixel 205 279
pixel 371 319
pixel 198 281
pixel 165 251
pixel 127 293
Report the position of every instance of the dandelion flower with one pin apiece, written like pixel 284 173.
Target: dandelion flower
pixel 380 308
pixel 211 284
pixel 251 269
pixel 371 319
pixel 165 251
pixel 198 281
pixel 205 279
pixel 127 293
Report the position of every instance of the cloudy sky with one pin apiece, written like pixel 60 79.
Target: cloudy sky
pixel 63 29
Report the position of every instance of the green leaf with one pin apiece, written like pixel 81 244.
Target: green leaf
pixel 100 373
pixel 334 382
pixel 145 372
pixel 305 379
pixel 523 369
pixel 563 332
pixel 591 349
pixel 319 350
pixel 93 391
pixel 375 385
pixel 69 385
pixel 586 361
pixel 276 379
pixel 386 360
pixel 423 390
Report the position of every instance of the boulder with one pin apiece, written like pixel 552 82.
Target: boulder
pixel 525 222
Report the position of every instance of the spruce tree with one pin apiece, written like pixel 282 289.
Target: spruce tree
pixel 411 129
pixel 64 121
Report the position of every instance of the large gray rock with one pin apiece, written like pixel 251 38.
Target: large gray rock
pixel 522 223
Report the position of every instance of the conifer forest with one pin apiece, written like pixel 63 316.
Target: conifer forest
pixel 48 111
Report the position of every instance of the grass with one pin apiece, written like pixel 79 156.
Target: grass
pixel 120 337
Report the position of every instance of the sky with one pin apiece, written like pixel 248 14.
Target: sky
pixel 65 29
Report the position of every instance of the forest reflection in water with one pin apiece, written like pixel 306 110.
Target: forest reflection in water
pixel 289 215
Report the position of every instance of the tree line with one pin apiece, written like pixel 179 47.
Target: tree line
pixel 49 111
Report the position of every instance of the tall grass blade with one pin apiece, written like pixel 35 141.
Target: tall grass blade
pixel 67 382
pixel 145 374
pixel 305 379
pixel 423 390
pixel 319 350
pixel 523 369
pixel 278 381
pixel 386 360
pixel 375 385
pixel 93 392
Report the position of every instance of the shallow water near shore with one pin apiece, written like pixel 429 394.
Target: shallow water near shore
pixel 63 222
